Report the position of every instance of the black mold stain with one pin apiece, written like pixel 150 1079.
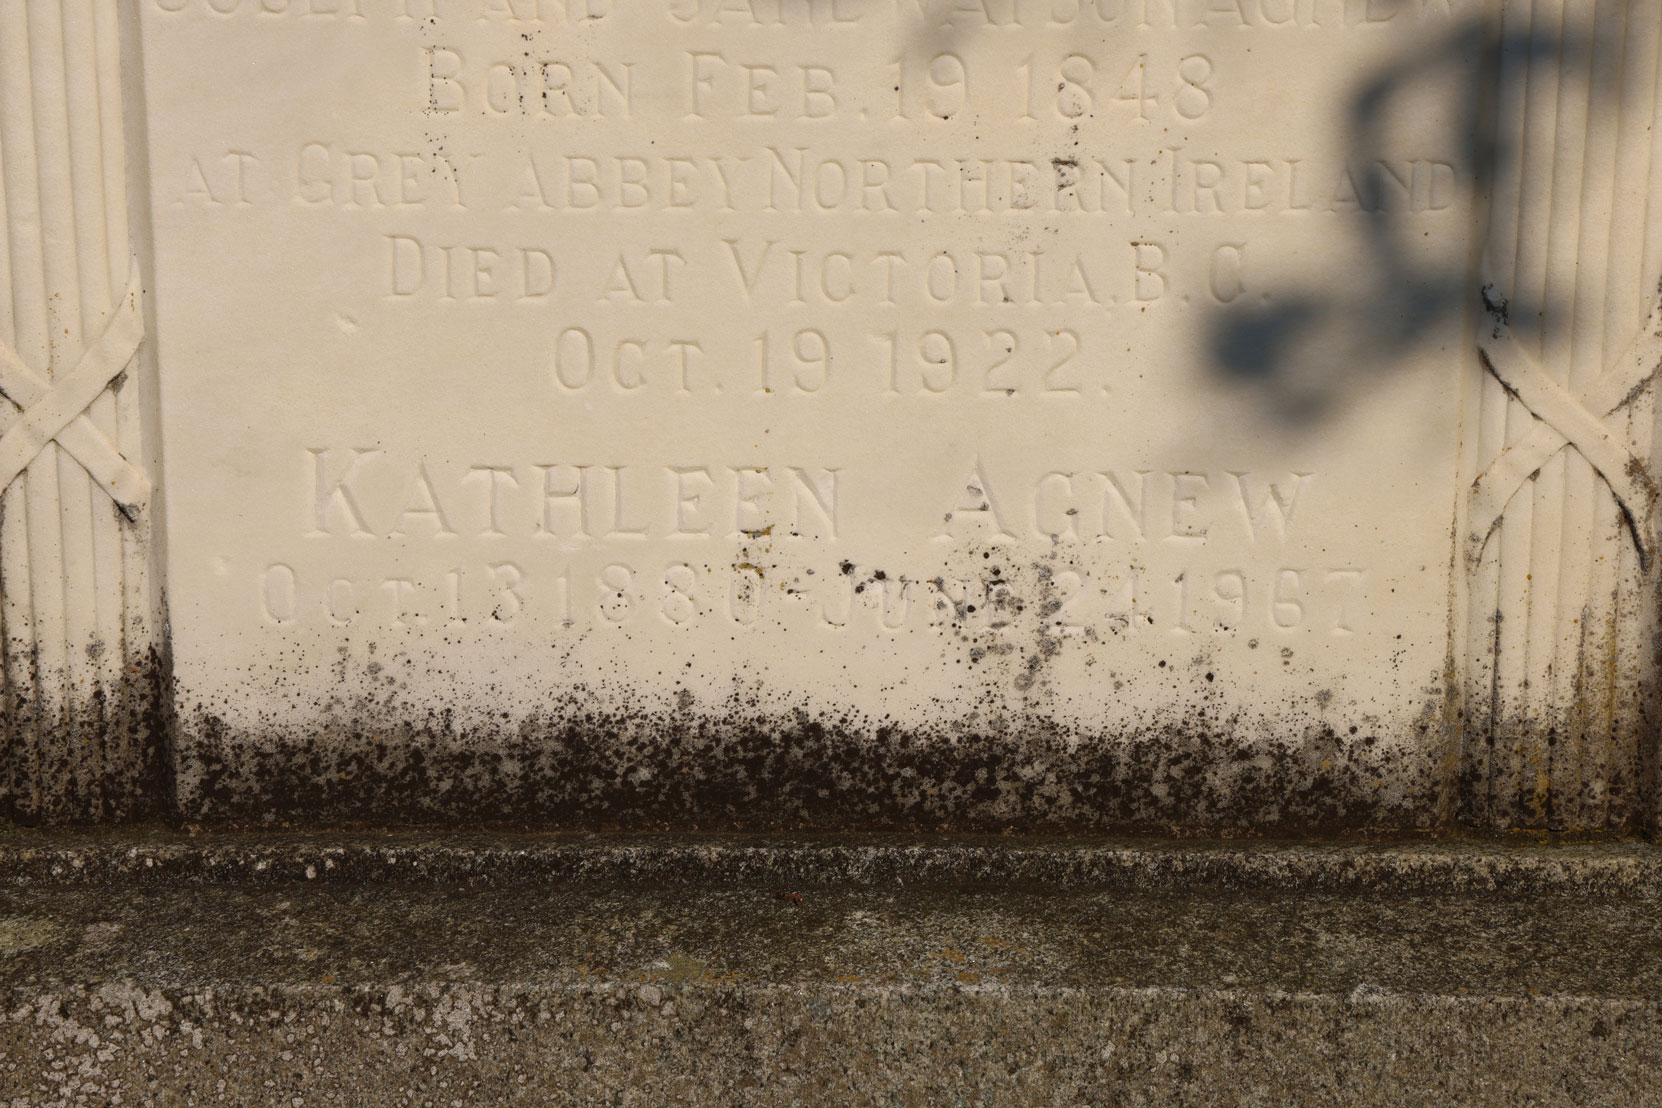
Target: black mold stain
pixel 735 768
pixel 105 759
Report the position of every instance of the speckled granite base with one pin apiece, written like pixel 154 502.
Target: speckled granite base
pixel 506 970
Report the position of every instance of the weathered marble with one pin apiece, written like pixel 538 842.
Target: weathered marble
pixel 831 413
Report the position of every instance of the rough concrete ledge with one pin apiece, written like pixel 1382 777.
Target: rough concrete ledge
pixel 1518 866
pixel 368 970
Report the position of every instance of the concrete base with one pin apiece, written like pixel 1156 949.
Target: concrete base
pixel 152 969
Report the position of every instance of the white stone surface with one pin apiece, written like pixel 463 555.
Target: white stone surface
pixel 1133 411
pixel 421 277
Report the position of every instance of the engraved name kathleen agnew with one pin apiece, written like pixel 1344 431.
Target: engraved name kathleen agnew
pixel 521 535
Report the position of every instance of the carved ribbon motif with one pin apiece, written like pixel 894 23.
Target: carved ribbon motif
pixel 1578 418
pixel 56 410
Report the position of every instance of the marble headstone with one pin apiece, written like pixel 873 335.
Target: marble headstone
pixel 987 413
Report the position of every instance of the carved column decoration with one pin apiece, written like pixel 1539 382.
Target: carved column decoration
pixel 75 598
pixel 1561 538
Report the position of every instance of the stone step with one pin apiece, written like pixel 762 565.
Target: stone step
pixel 380 969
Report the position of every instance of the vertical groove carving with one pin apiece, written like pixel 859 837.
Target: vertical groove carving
pixel 1562 544
pixel 75 601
